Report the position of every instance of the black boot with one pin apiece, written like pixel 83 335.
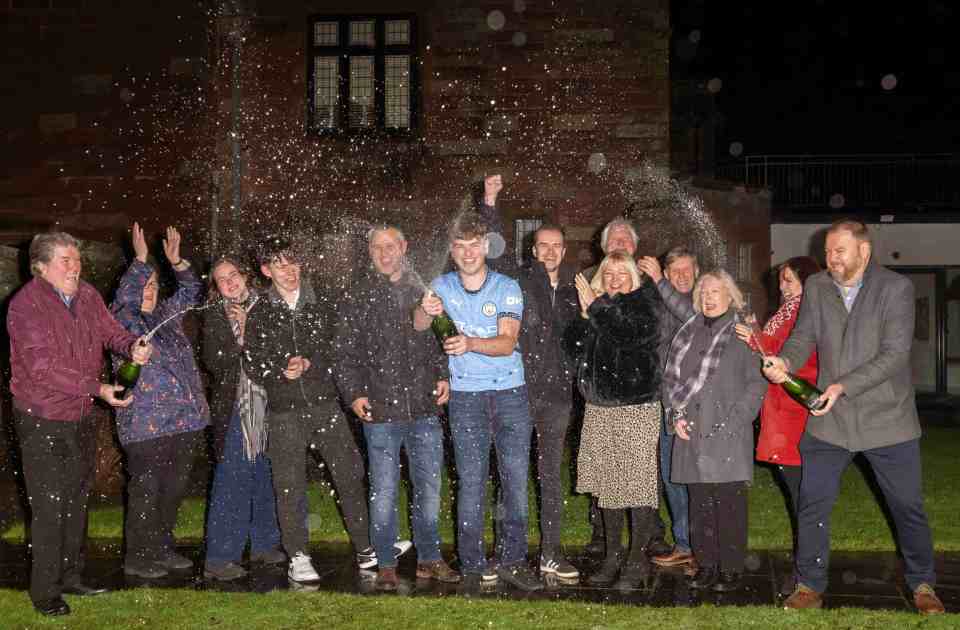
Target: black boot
pixel 613 530
pixel 607 573
pixel 633 575
pixel 596 546
pixel 705 577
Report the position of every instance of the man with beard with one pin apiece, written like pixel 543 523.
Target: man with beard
pixel 550 299
pixel 859 316
pixel 394 378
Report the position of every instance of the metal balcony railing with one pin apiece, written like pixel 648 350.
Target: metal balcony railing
pixel 867 181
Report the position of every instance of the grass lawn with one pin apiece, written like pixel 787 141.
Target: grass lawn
pixel 858 523
pixel 185 609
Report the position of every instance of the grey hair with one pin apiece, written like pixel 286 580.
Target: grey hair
pixel 736 296
pixel 616 223
pixel 676 253
pixel 43 245
pixel 384 227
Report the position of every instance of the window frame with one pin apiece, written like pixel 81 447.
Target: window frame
pixel 380 51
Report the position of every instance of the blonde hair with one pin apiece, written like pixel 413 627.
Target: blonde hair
pixel 736 297
pixel 616 258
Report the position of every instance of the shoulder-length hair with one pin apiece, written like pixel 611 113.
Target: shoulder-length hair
pixel 212 292
pixel 802 266
pixel 616 258
pixel 736 296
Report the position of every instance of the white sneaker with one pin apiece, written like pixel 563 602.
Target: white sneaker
pixel 301 569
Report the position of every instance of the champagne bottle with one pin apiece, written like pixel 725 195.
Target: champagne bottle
pixel 127 377
pixel 443 327
pixel 128 374
pixel 803 392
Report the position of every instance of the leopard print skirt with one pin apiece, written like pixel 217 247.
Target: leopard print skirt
pixel 617 462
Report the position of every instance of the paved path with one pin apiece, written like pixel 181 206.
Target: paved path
pixel 865 580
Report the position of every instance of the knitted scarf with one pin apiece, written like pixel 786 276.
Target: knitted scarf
pixel 680 390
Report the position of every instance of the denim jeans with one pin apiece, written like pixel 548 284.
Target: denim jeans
pixel 477 419
pixel 676 493
pixel 423 441
pixel 242 504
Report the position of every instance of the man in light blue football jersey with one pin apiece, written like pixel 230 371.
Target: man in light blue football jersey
pixel 488 403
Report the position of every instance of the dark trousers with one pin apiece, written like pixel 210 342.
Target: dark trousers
pixel 790 477
pixel 158 471
pixel 58 467
pixel 324 430
pixel 551 418
pixel 898 472
pixel 718 524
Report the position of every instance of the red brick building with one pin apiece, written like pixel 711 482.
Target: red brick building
pixel 234 116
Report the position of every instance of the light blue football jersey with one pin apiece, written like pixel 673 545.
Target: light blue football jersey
pixel 476 314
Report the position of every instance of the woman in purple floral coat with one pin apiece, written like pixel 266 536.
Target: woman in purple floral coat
pixel 161 430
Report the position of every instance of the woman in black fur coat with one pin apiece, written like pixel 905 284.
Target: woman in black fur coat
pixel 616 344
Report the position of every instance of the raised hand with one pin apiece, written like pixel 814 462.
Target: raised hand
pixel 171 246
pixel 140 248
pixel 650 266
pixel 492 185
pixel 585 293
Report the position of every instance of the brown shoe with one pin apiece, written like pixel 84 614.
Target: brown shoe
pixel 387 579
pixel 803 597
pixel 691 568
pixel 926 601
pixel 437 570
pixel 673 559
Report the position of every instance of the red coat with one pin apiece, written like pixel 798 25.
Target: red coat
pixel 56 353
pixel 782 419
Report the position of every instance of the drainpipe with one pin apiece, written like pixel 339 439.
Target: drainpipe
pixel 234 16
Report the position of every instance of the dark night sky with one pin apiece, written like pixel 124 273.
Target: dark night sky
pixel 805 76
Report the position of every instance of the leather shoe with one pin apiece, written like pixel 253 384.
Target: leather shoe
pixel 53 607
pixel 729 581
pixel 705 577
pixel 82 589
pixel 803 597
pixel 926 601
pixel 691 568
pixel 675 558
pixel 658 547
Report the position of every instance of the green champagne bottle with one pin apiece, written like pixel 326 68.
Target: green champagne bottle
pixel 443 327
pixel 803 392
pixel 127 376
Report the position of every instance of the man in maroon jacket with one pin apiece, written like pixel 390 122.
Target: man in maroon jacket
pixel 59 327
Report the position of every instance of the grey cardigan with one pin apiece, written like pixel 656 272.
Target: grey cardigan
pixel 867 351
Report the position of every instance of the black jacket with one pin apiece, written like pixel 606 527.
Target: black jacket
pixel 220 355
pixel 381 357
pixel 618 348
pixel 547 312
pixel 274 334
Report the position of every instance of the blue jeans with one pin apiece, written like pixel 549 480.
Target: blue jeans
pixel 423 441
pixel 242 503
pixel 476 420
pixel 676 493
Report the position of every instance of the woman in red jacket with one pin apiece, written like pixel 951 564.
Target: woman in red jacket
pixel 782 419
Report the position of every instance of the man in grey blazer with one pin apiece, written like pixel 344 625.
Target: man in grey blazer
pixel 859 316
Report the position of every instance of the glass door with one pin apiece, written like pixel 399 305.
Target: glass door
pixel 923 357
pixel 952 325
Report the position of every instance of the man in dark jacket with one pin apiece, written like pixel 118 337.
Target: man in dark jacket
pixel 859 316
pixel 59 328
pixel 551 304
pixel 394 378
pixel 288 341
